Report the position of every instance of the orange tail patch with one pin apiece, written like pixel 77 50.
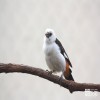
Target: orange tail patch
pixel 67 71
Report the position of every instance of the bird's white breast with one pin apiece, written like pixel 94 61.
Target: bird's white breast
pixel 54 59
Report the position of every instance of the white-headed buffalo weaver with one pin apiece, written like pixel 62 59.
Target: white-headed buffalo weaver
pixel 56 57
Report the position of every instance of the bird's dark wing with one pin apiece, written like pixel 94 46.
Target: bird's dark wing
pixel 63 52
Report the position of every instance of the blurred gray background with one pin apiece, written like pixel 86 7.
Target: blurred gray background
pixel 22 26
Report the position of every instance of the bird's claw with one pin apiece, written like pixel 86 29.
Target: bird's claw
pixel 49 72
pixel 60 80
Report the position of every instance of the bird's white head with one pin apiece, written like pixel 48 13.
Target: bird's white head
pixel 50 36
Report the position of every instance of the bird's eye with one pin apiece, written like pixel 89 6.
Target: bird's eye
pixel 50 33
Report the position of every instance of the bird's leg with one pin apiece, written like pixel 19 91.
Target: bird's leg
pixel 60 79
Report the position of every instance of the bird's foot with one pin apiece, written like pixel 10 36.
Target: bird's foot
pixel 60 80
pixel 49 72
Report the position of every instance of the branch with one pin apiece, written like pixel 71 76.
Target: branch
pixel 72 86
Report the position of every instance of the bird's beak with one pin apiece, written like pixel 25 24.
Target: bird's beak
pixel 47 35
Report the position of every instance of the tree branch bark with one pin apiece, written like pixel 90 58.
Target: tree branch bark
pixel 70 85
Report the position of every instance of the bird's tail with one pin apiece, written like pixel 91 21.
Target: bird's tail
pixel 68 74
pixel 70 77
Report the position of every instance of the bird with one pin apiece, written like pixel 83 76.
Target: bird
pixel 55 55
